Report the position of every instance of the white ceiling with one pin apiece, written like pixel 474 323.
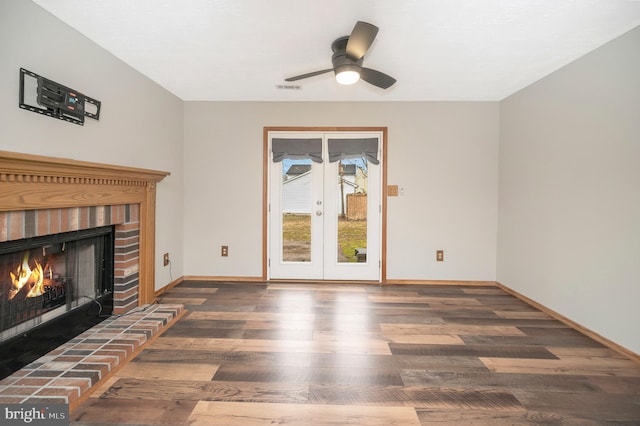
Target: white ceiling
pixel 437 49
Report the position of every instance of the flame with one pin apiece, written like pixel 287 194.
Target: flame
pixel 34 278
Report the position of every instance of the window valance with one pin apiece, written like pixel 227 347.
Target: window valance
pixel 353 148
pixel 297 149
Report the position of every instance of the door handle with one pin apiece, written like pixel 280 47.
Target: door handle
pixel 318 212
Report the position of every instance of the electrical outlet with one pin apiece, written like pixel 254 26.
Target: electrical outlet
pixel 439 255
pixel 165 259
pixel 224 251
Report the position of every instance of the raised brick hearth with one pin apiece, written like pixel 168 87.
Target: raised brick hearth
pixel 69 374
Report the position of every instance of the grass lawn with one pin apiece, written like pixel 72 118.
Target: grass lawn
pixel 352 234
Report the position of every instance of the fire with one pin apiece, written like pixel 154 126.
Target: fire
pixel 33 279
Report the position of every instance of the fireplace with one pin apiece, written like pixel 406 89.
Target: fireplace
pixel 52 288
pixel 45 277
pixel 60 214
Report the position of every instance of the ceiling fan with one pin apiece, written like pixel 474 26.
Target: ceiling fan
pixel 348 54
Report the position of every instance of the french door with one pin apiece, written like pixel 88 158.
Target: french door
pixel 325 205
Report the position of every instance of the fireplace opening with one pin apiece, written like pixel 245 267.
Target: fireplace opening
pixel 52 288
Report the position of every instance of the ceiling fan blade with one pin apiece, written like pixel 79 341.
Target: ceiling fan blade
pixel 307 75
pixel 360 39
pixel 377 78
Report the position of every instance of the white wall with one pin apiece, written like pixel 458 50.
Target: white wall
pixel 445 155
pixel 569 215
pixel 138 117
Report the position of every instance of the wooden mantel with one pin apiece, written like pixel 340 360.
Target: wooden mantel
pixel 31 182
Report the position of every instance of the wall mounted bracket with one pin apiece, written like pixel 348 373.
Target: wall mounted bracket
pixel 44 96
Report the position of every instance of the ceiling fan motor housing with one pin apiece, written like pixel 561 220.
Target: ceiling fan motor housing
pixel 341 62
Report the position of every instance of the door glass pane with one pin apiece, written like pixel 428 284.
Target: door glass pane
pixel 352 210
pixel 296 208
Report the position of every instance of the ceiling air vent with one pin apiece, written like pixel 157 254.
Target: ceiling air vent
pixel 288 87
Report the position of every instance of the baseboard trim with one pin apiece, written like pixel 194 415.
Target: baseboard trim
pixel 387 282
pixel 578 327
pixel 442 282
pixel 223 278
pixel 168 287
pixel 262 280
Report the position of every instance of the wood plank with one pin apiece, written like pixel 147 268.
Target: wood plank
pixel 434 339
pixel 198 332
pixel 99 411
pixel 459 329
pixel 331 288
pixel 591 353
pixel 159 370
pixel 353 361
pixel 181 291
pixel 255 345
pixel 218 357
pixel 251 316
pixel 591 406
pixel 542 341
pixel 497 418
pixel 190 390
pixel 231 414
pixel 500 351
pixel 439 363
pixel 523 315
pixel 461 398
pixel 488 380
pixel 576 366
pixel 426 300
pixel 184 300
pixel 491 321
pixel 414 396
pixel 326 375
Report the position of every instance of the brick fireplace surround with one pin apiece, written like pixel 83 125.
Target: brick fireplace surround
pixel 42 196
pixel 16 225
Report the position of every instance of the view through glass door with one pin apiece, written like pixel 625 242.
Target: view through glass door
pixel 324 205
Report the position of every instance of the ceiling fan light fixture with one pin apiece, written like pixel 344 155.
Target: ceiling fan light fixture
pixel 347 74
pixel 348 55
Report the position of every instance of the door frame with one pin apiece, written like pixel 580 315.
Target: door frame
pixel 265 190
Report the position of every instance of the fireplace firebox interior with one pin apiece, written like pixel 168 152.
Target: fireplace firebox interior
pixel 51 289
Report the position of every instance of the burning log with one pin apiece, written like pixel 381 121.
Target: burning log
pixel 23 292
pixel 25 277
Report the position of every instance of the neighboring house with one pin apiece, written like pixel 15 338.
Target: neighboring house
pixel 296 187
pixel 361 180
pixel 296 192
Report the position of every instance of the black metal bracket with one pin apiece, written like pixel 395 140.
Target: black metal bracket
pixel 57 101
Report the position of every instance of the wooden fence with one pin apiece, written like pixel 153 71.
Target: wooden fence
pixel 356 207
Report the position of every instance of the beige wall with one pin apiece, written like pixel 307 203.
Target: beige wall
pixel 445 155
pixel 140 124
pixel 569 216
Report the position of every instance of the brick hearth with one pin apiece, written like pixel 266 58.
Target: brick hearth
pixel 68 374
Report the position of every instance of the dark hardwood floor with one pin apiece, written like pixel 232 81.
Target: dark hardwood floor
pixel 337 354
